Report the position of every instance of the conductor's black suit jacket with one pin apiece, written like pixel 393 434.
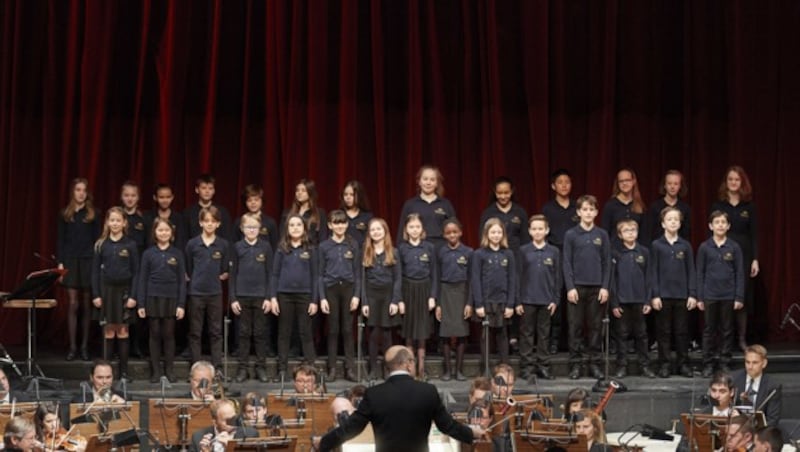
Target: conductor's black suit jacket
pixel 401 411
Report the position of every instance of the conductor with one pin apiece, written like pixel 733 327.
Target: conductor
pixel 401 410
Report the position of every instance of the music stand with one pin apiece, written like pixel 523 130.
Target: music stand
pixel 34 285
pixel 705 432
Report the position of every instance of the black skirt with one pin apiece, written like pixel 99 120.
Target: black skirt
pixel 379 299
pixel 417 321
pixel 161 307
pixel 113 310
pixel 454 297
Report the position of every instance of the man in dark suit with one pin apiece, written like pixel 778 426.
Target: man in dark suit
pixel 224 429
pixel 6 395
pixel 401 411
pixel 99 387
pixel 754 387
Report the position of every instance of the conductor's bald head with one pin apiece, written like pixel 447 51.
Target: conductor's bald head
pixel 399 357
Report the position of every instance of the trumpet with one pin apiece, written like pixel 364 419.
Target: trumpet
pixel 105 394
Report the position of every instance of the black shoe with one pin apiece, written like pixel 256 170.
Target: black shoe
pixel 595 372
pixel 647 372
pixel 544 372
pixel 460 376
pixel 664 371
pixel 154 378
pixel 85 355
pixel 261 374
pixel 241 375
pixel 553 349
pixel 71 355
pixel 574 372
pixel 349 375
pixel 686 371
pixel 171 377
pixel 622 372
pixel 708 371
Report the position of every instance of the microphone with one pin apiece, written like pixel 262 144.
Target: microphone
pixel 203 388
pixel 124 383
pixel 84 386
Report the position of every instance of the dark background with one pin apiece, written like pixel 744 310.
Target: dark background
pixel 273 91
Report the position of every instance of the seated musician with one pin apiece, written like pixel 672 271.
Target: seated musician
pixel 6 394
pixel 305 379
pixel 201 377
pixel 101 379
pixel 20 435
pixel 226 426
pixel 754 387
pixel 341 408
pixel 356 394
pixel 740 435
pixel 480 412
pixel 481 389
pixel 721 394
pixel 502 381
pixel 768 439
pixel 588 423
pixel 578 399
pixel 254 411
pixel 50 432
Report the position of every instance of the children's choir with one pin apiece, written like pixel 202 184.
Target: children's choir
pixel 161 265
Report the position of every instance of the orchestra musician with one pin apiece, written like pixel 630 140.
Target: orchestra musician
pixel 6 395
pixel 20 435
pixel 754 387
pixel 201 376
pixel 254 411
pixel 768 439
pixel 101 379
pixel 481 389
pixel 721 394
pixel 588 423
pixel 740 435
pixel 503 380
pixel 50 432
pixel 305 379
pixel 226 426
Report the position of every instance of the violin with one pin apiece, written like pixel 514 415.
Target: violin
pixel 64 439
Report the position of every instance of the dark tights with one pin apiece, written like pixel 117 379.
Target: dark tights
pixel 382 336
pixel 162 330
pixel 77 304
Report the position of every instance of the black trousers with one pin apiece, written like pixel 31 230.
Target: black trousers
pixel 340 320
pixel 631 325
pixel 535 321
pixel 252 326
pixel 294 312
pixel 718 332
pixel 588 313
pixel 210 309
pixel 672 322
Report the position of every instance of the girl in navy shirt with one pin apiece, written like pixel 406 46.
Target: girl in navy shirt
pixel 294 290
pixel 114 270
pixel 162 296
pixel 453 308
pixel 420 278
pixel 625 204
pixel 305 205
pixel 78 228
pixel 432 207
pixel 494 285
pixel 356 205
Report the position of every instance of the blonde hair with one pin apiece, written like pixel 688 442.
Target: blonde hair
pixel 369 247
pixel 107 231
pixel 485 236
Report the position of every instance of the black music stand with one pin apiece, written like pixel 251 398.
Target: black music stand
pixel 34 285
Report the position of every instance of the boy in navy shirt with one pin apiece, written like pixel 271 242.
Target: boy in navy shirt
pixel 720 291
pixel 206 189
pixel 540 290
pixel 587 269
pixel 630 302
pixel 207 266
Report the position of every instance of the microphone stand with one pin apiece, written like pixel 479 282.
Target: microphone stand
pixel 485 324
pixel 602 383
pixel 360 352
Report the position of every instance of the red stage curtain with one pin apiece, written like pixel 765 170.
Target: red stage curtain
pixel 273 91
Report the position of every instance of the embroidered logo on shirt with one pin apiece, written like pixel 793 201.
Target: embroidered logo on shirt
pixel 305 255
pixel 216 255
pixel 461 260
pixel 516 220
pixel 348 254
pixel 597 241
pixel 172 261
pixel 728 256
pixel 139 226
pixel 261 258
pixel 439 211
pixel 548 261
pixel 424 257
pixel 263 231
pixel 361 226
pixel 504 262
pixel 124 252
pixel 680 255
pixel 745 214
pixel 640 259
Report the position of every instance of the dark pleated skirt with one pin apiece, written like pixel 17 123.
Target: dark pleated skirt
pixel 418 321
pixel 380 297
pixel 161 307
pixel 454 297
pixel 113 310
